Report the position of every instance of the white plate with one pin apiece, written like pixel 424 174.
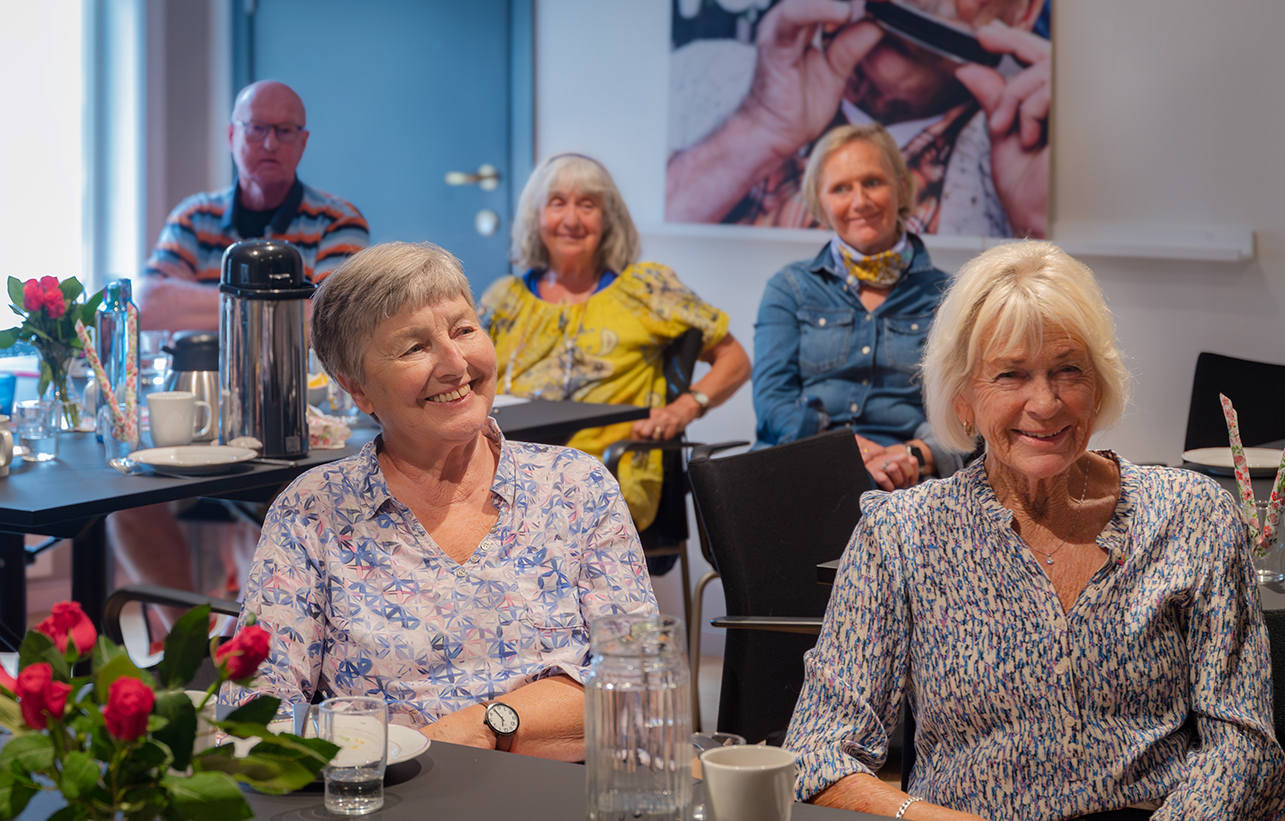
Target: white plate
pixel 1261 461
pixel 193 460
pixel 404 743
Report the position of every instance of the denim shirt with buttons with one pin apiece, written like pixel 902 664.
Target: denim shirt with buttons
pixel 821 360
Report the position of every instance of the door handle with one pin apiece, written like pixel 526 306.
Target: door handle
pixel 487 177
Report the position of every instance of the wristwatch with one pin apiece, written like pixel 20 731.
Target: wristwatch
pixel 914 451
pixel 503 721
pixel 702 400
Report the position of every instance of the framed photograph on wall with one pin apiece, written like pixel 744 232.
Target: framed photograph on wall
pixel 963 87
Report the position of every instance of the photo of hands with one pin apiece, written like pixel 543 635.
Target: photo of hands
pixel 963 87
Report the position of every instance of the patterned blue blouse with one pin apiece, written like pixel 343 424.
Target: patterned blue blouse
pixel 360 600
pixel 1155 687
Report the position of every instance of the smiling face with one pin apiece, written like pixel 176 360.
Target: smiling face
pixel 860 197
pixel 267 162
pixel 1035 408
pixel 429 375
pixel 571 225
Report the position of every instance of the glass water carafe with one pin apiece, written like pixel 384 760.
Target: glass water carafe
pixel 638 720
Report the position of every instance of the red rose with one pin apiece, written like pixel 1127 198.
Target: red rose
pixel 33 297
pixel 244 652
pixel 38 694
pixel 54 301
pixel 129 703
pixel 68 621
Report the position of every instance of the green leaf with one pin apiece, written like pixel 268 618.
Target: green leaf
pixel 266 773
pixel 185 647
pixel 207 796
pixel 142 762
pixel 38 647
pixel 79 775
pixel 71 288
pixel 314 753
pixel 104 651
pixel 8 337
pixel 91 306
pixel 33 752
pixel 11 716
pixel 121 666
pixel 14 795
pixel 180 731
pixel 71 812
pixel 259 711
pixel 16 295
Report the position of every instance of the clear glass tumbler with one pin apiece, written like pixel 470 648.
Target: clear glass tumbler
pixel 1269 561
pixel 638 720
pixel 355 776
pixel 37 423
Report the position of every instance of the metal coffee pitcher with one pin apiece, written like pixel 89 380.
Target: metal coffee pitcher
pixel 263 356
pixel 196 368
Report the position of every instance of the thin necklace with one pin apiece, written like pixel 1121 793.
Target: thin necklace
pixel 1048 557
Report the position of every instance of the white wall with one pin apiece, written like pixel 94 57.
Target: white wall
pixel 1165 112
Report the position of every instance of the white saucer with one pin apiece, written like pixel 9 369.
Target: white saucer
pixel 192 460
pixel 404 743
pixel 1262 462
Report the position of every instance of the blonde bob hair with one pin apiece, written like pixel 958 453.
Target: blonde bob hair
pixel 373 285
pixel 1009 297
pixel 837 138
pixel 620 245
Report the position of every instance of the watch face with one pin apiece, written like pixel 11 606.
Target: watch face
pixel 502 718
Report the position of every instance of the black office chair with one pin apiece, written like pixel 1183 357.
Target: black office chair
pixel 114 609
pixel 664 542
pixel 1257 389
pixel 768 517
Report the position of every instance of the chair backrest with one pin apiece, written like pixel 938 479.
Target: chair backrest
pixel 1276 637
pixel 670 525
pixel 1257 389
pixel 769 517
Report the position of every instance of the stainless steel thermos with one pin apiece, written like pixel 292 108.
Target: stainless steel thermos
pixel 263 354
pixel 195 368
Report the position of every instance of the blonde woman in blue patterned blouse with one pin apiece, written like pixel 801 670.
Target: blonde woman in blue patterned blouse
pixel 1077 635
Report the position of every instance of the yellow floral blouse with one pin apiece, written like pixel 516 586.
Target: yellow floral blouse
pixel 607 349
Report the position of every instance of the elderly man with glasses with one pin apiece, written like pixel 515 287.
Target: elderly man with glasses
pixel 267 137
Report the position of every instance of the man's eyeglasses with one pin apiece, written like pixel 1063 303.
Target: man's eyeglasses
pixel 258 132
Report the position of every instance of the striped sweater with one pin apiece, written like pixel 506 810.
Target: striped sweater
pixel 325 229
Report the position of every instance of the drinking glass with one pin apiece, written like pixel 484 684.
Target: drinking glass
pixel 117 447
pixel 1271 564
pixel 38 429
pixel 355 776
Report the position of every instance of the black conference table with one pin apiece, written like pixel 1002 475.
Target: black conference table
pixel 68 497
pixel 461 784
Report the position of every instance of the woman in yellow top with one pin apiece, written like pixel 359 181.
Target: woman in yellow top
pixel 588 322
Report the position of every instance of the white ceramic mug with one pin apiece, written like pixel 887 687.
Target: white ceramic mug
pixel 172 418
pixel 749 783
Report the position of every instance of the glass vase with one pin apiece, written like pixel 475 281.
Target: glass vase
pixel 60 390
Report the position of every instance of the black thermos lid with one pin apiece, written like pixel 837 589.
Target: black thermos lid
pixel 194 351
pixel 264 269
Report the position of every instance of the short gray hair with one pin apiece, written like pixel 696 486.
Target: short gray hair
pixel 837 138
pixel 373 285
pixel 1002 299
pixel 620 246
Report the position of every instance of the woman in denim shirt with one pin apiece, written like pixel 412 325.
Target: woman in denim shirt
pixel 839 337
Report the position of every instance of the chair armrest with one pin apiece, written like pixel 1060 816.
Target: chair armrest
pixel 154 594
pixel 775 624
pixel 611 456
pixel 706 451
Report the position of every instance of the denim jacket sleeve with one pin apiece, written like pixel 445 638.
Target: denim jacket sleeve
pixel 782 411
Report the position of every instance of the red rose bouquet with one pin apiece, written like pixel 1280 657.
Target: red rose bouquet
pixel 49 309
pixel 118 743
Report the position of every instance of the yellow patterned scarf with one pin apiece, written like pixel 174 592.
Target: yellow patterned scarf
pixel 882 270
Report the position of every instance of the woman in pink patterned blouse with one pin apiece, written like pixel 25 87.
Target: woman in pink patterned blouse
pixel 444 568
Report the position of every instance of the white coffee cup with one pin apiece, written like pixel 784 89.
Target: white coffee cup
pixel 172 418
pixel 749 783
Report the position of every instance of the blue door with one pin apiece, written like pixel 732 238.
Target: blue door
pixel 400 93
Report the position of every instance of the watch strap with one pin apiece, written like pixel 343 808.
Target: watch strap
pixel 914 451
pixel 702 400
pixel 503 740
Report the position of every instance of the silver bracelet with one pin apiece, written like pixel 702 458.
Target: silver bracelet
pixel 906 804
